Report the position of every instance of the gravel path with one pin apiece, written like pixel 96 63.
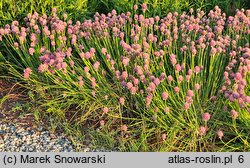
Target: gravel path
pixel 20 139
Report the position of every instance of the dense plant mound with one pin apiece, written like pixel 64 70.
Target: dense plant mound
pixel 163 81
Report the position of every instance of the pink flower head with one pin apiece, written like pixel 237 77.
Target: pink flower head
pixel 104 51
pixel 133 90
pixel 178 67
pixel 190 93
pixel 16 44
pixel 220 134
pixel 176 89
pixel 206 116
pixel 87 55
pixel 180 78
pixel 163 137
pixel 135 7
pixel 139 70
pixel 71 63
pixel 80 83
pixel 157 81
pixel 102 123
pixel 42 68
pixel 54 10
pixel 124 75
pixel 86 69
pixel 197 86
pixel 164 96
pixel 234 114
pixel 31 51
pixel 202 130
pixel 170 78
pixel 144 7
pixel 167 109
pixel 152 86
pixel 122 101
pixel 197 69
pixel 190 72
pixel 124 128
pixel 82 55
pixel 26 73
pixel 188 77
pixel 129 85
pixel 238 76
pixel 96 65
pixel 186 106
pixel 125 61
pixel 105 110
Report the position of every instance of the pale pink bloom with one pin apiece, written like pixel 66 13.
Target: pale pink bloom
pixel 163 137
pixel 144 7
pixel 87 55
pixel 190 93
pixel 220 134
pixel 170 78
pixel 104 51
pixel 202 130
pixel 124 75
pixel 188 77
pixel 176 89
pixel 93 83
pixel 124 128
pixel 135 7
pixel 139 70
pixel 122 101
pixel 106 97
pixel 133 90
pixel 92 50
pixel 157 81
pixel 53 43
pixel 93 93
pixel 238 76
pixel 152 86
pixel 42 68
pixel 197 69
pixel 125 61
pixel 234 114
pixel 105 110
pixel 16 44
pixel 26 73
pixel 180 78
pixel 80 83
pixel 197 86
pixel 86 69
pixel 178 67
pixel 129 85
pixel 164 95
pixel 64 65
pixel 31 51
pixel 71 63
pixel 190 72
pixel 96 65
pixel 102 123
pixel 54 10
pixel 206 116
pixel 167 109
pixel 186 106
pixel 82 55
